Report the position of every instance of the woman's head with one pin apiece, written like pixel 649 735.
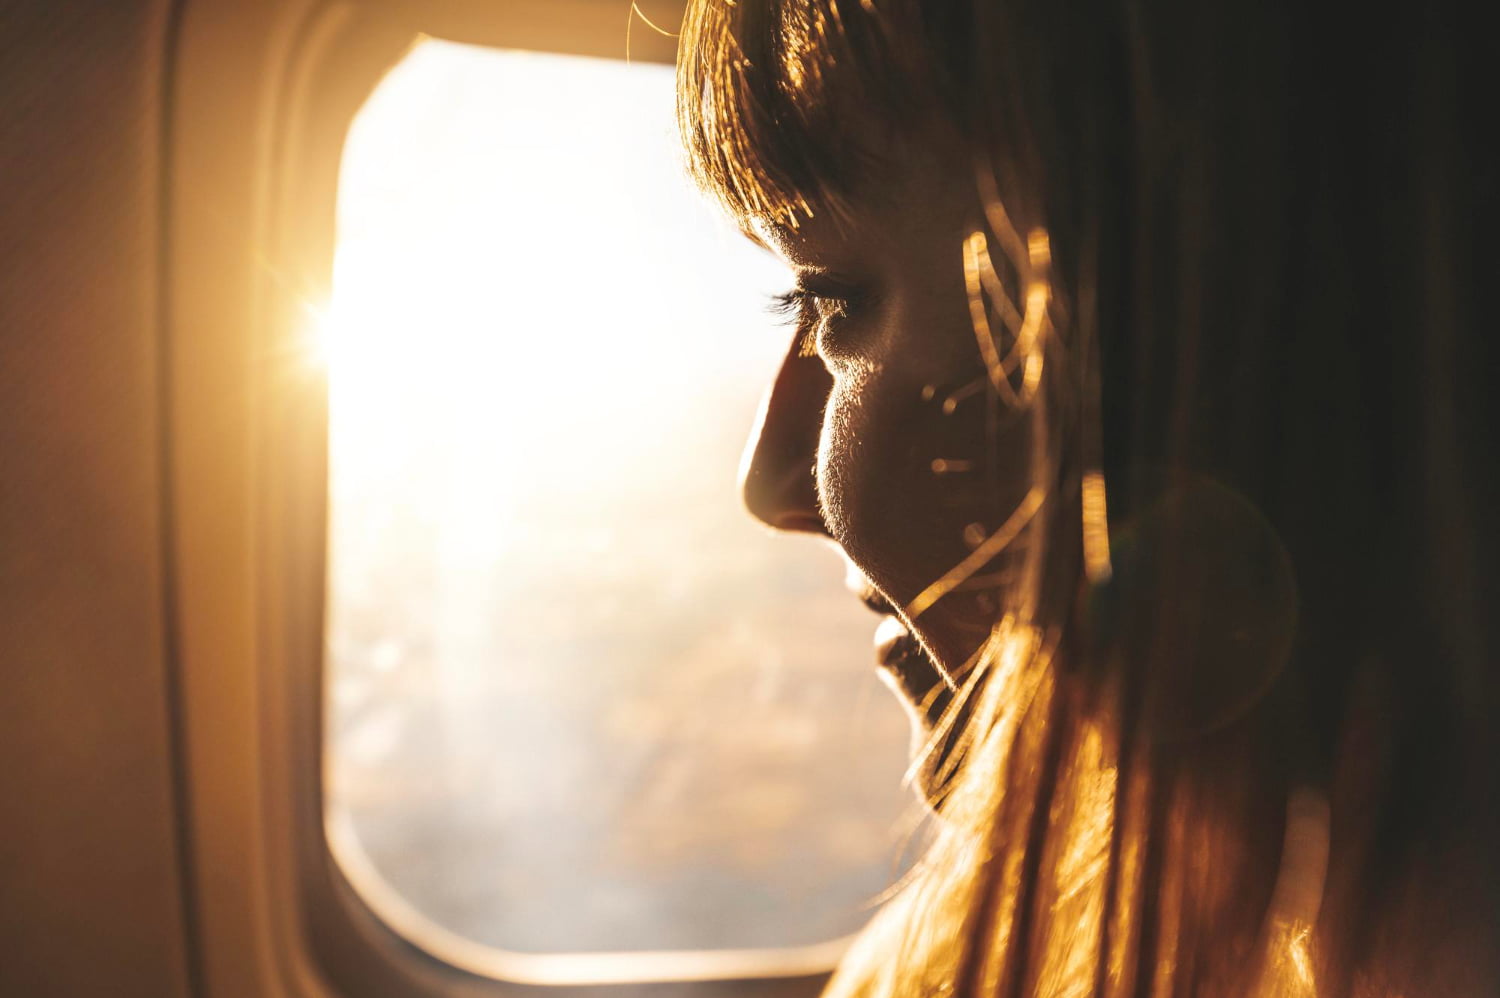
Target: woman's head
pixel 1216 263
pixel 842 138
pixel 913 467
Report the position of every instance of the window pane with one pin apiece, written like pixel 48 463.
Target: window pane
pixel 579 701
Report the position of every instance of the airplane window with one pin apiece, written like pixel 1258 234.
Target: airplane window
pixel 579 702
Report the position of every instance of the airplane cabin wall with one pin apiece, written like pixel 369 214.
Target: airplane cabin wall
pixel 89 863
pixel 161 502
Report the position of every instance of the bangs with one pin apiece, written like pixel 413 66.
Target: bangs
pixel 785 107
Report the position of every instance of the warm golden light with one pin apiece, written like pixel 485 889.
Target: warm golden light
pixel 1096 558
pixel 565 665
pixel 976 261
pixel 1029 328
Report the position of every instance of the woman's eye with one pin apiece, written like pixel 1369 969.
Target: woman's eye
pixel 805 306
pixel 787 305
pixel 824 311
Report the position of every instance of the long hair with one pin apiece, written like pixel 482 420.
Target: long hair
pixel 1232 732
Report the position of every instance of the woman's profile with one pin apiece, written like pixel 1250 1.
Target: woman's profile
pixel 1137 366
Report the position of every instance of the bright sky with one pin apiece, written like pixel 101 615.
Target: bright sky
pixel 489 273
pixel 565 664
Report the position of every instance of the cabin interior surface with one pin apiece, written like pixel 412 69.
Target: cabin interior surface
pixel 164 166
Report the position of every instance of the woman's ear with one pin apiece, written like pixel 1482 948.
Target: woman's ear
pixel 1201 609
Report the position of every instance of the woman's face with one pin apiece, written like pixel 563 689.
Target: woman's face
pixel 887 439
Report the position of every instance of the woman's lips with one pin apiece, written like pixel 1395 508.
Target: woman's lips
pixel 891 642
pixel 902 658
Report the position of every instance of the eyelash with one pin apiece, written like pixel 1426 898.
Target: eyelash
pixel 799 305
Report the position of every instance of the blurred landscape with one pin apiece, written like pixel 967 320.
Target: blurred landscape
pixel 579 701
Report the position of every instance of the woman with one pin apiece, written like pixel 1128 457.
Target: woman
pixel 1137 366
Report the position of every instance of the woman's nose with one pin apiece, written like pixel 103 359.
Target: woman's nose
pixel 777 471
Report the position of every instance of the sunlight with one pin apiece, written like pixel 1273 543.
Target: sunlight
pixel 565 665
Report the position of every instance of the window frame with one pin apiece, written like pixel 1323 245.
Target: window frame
pixel 260 100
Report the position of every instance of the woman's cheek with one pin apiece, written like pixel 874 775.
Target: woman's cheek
pixel 850 481
pixel 883 502
pixel 909 485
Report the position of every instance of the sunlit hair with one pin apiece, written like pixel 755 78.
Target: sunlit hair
pixel 1131 803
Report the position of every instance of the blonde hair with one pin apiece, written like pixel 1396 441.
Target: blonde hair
pixel 1127 804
